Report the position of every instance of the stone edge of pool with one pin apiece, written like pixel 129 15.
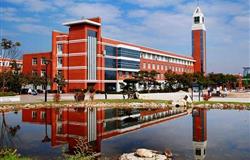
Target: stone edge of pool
pixel 208 105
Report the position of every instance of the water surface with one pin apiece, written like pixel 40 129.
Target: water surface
pixel 210 135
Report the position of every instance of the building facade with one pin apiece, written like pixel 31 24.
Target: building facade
pixel 6 64
pixel 86 59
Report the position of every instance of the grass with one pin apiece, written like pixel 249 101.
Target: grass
pixel 216 102
pixel 95 101
pixel 10 154
pixel 131 101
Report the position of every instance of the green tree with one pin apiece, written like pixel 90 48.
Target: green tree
pixel 60 81
pixel 9 49
pixel 129 87
pixel 170 81
pixel 143 79
pixel 152 79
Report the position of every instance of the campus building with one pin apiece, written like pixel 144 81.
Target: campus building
pixel 6 64
pixel 88 59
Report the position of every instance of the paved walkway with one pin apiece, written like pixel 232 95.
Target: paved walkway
pixel 149 96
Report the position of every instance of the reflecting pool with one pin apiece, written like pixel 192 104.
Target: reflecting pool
pixel 46 133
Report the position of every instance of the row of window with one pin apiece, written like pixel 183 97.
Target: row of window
pixel 35 72
pixel 165 68
pixel 128 64
pixel 35 61
pixel 7 64
pixel 165 59
pixel 123 52
pixel 42 115
pixel 43 72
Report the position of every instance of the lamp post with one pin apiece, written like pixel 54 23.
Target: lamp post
pixel 46 138
pixel 46 79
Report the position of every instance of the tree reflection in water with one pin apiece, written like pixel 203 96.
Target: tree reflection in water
pixel 8 133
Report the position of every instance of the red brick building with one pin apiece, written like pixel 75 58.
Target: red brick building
pixel 87 59
pixel 5 64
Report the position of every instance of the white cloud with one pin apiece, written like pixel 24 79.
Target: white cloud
pixel 11 15
pixel 33 5
pixel 34 29
pixel 153 3
pixel 108 12
pixel 163 24
pixel 138 13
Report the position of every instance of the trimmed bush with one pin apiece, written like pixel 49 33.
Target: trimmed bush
pixel 4 94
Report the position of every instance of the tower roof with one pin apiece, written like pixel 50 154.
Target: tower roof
pixel 198 19
pixel 198 12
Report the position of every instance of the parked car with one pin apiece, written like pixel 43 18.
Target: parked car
pixel 32 91
pixel 24 91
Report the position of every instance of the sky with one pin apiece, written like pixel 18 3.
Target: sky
pixel 161 24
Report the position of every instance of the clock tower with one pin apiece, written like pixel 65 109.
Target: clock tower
pixel 199 41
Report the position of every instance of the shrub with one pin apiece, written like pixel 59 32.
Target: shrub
pixel 79 96
pixel 3 94
pixel 57 97
pixel 10 154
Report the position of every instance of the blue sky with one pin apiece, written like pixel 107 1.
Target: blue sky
pixel 162 24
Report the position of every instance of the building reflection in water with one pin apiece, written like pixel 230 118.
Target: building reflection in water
pixel 199 133
pixel 94 124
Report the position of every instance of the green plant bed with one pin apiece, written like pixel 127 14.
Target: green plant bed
pixel 216 102
pixel 4 94
pixel 11 154
pixel 131 101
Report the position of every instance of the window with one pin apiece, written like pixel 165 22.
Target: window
pixel 43 72
pixel 153 66
pixel 120 73
pixel 110 87
pixel 196 20
pixel 43 60
pixel 34 61
pixel 34 115
pixel 59 129
pixel 149 66
pixel 128 64
pixel 110 63
pixel 60 73
pixel 127 74
pixel 59 48
pixel 43 115
pixel 154 57
pixel 144 65
pixel 198 151
pixel 60 116
pixel 59 61
pixel 111 51
pixel 128 53
pixel 162 67
pixel 110 75
pixel 34 72
pixel 158 67
pixel 92 33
